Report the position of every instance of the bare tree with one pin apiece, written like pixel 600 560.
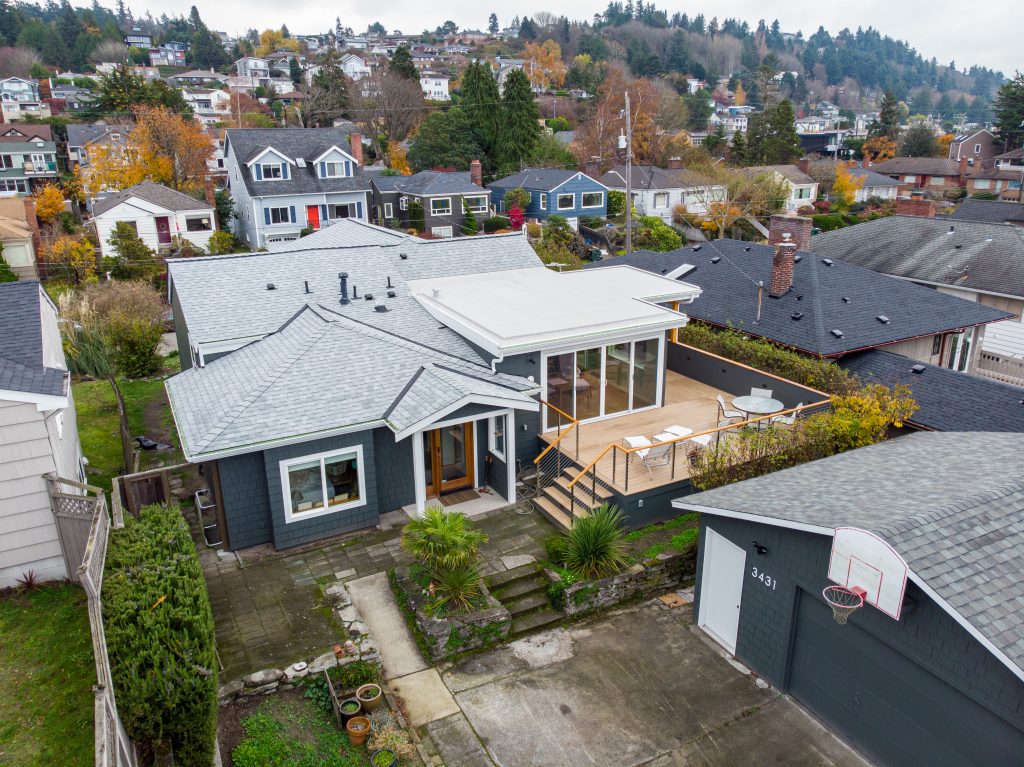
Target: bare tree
pixel 17 61
pixel 731 195
pixel 109 51
pixel 388 104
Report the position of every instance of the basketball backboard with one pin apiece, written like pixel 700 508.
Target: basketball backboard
pixel 863 561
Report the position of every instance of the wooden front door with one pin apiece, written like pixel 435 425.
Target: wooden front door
pixel 448 458
pixel 313 216
pixel 163 230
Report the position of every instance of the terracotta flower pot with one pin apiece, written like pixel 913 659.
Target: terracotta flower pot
pixel 358 727
pixel 370 696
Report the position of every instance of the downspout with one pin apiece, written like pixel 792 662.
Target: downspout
pixel 495 361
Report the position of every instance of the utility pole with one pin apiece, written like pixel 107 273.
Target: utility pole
pixel 629 178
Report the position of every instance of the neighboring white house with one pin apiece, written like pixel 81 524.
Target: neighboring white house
pixel 250 66
pixel 874 185
pixel 657 191
pixel 803 190
pixel 284 180
pixel 38 433
pixel 435 86
pixel 209 105
pixel 355 66
pixel 158 214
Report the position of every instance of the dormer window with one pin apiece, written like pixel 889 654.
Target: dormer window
pixel 336 169
pixel 270 171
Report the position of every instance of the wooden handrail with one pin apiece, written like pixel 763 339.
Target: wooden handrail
pixel 81 486
pixel 629 450
pixel 573 424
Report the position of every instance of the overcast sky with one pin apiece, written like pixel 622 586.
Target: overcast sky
pixel 941 28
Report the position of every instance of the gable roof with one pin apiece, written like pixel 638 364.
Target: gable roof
pixel 545 179
pixel 837 296
pixel 928 166
pixel 429 182
pixel 871 178
pixel 960 138
pixel 989 211
pixel 947 399
pixel 949 503
pixel 150 191
pixel 80 135
pixel 790 172
pixel 650 177
pixel 286 387
pixel 22 133
pixel 22 364
pixel 293 143
pixel 962 254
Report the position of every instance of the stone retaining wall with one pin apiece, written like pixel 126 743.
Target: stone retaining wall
pixel 665 572
pixel 451 635
pixel 269 680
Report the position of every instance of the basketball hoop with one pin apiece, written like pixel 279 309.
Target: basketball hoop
pixel 843 601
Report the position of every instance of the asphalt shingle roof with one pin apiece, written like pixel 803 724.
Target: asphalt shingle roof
pixel 650 177
pixel 538 178
pixel 158 194
pixel 288 385
pixel 22 367
pixel 790 172
pixel 949 503
pixel 428 182
pixel 871 178
pixel 80 135
pixel 929 166
pixel 962 254
pixel 947 400
pixel 837 296
pixel 989 211
pixel 307 143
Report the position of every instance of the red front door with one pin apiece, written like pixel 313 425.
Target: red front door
pixel 313 216
pixel 163 230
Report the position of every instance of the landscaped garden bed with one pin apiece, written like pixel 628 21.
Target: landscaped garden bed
pixel 596 565
pixel 445 601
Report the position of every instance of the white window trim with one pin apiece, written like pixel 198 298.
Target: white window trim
pixel 341 169
pixel 263 171
pixel 444 232
pixel 661 194
pixel 543 201
pixel 403 203
pixel 599 204
pixel 446 212
pixel 287 215
pixel 290 517
pixel 558 201
pixel 482 208
pixel 492 428
pixel 389 211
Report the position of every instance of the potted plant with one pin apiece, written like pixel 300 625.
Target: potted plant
pixel 349 708
pixel 384 757
pixel 358 727
pixel 369 696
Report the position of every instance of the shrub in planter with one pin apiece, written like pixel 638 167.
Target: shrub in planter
pixel 595 545
pixel 442 539
pixel 370 696
pixel 392 739
pixel 353 675
pixel 159 630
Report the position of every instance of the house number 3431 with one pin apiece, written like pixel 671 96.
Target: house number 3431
pixel 767 580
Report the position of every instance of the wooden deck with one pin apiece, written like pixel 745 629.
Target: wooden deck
pixel 688 403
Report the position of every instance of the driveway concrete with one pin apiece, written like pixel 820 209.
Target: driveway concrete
pixel 639 687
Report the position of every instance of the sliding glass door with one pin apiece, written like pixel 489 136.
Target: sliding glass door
pixel 604 381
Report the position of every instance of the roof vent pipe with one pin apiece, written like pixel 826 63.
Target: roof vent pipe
pixel 343 277
pixel 306 282
pixel 355 295
pixel 389 285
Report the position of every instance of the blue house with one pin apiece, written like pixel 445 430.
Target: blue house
pixel 555 192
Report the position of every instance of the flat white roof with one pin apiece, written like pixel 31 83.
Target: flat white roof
pixel 521 310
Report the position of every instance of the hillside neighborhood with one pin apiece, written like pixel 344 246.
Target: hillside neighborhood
pixel 637 390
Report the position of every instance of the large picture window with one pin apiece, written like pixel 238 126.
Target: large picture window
pixel 441 206
pixel 566 201
pixel 323 483
pixel 593 199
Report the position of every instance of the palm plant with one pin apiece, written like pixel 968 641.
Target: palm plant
pixel 442 540
pixel 596 546
pixel 456 588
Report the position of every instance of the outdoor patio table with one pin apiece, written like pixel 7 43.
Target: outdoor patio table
pixel 757 405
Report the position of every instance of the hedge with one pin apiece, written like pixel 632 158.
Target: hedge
pixel 160 635
pixel 494 223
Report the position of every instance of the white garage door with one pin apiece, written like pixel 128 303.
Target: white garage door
pixel 721 589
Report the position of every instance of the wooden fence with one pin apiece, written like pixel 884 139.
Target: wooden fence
pixel 113 746
pixel 73 514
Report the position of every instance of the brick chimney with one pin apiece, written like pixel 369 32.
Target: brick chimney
pixel 916 206
pixel 963 171
pixel 804 165
pixel 210 192
pixel 782 267
pixel 593 168
pixel 357 147
pixel 675 163
pixel 796 228
pixel 866 162
pixel 476 173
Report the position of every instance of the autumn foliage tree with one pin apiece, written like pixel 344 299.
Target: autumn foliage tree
pixel 163 147
pixel 543 64
pixel 72 259
pixel 598 136
pixel 844 189
pixel 879 148
pixel 49 203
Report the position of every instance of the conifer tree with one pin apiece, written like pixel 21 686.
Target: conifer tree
pixel 521 127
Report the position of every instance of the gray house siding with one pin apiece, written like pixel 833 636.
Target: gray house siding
pixel 907 657
pixel 396 486
pixel 286 535
pixel 181 332
pixel 456 219
pixel 528 423
pixel 243 485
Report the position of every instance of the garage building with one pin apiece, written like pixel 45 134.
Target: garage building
pixel 942 684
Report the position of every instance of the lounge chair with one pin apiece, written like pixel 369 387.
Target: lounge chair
pixel 659 455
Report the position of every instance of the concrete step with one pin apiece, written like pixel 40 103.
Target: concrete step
pixel 535 621
pixel 526 604
pixel 520 588
pixel 506 578
pixel 555 514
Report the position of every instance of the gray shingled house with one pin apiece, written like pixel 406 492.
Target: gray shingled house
pixel 38 433
pixel 444 197
pixel 941 684
pixel 362 370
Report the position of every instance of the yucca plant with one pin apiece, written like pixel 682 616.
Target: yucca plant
pixel 442 540
pixel 596 543
pixel 455 588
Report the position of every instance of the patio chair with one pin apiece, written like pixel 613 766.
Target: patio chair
pixel 755 392
pixel 727 415
pixel 659 455
pixel 788 420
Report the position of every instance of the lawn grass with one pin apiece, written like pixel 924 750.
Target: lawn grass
pixel 46 674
